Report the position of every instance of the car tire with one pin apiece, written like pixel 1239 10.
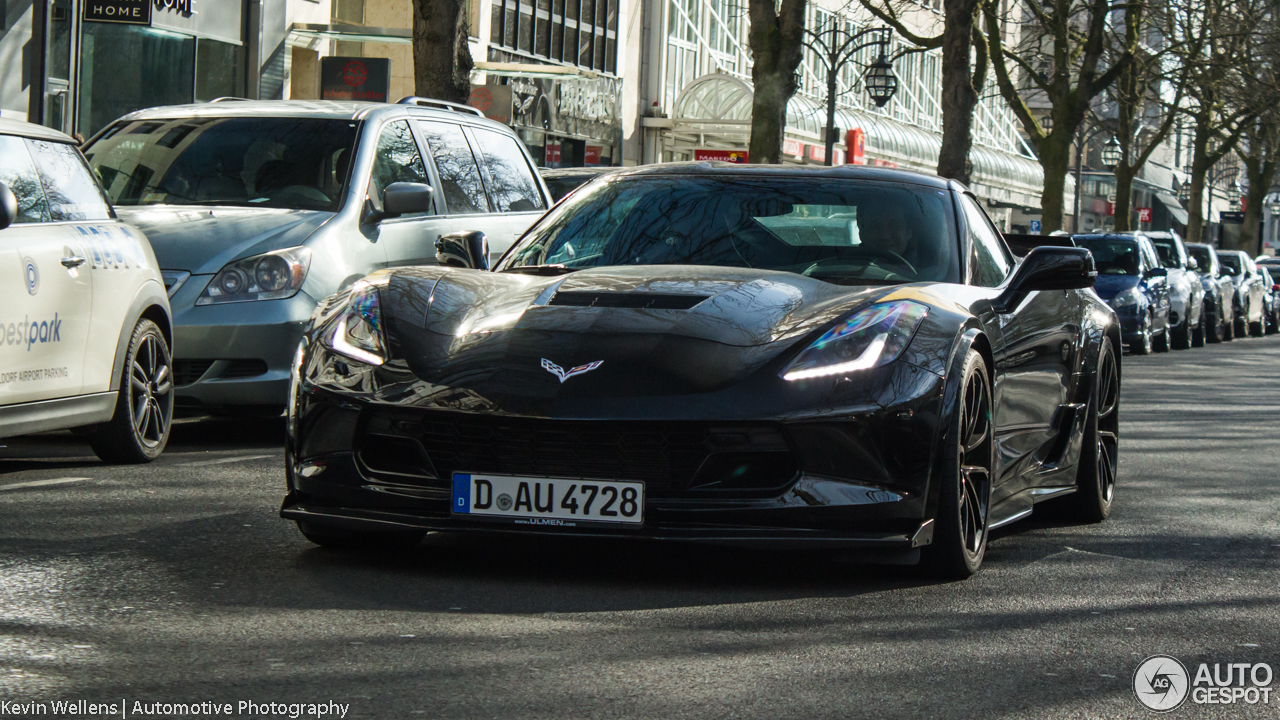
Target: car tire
pixel 1182 336
pixel 336 539
pixel 1256 329
pixel 139 429
pixel 1099 458
pixel 1229 328
pixel 964 500
pixel 1198 333
pixel 1241 328
pixel 1161 344
pixel 1215 331
pixel 1143 344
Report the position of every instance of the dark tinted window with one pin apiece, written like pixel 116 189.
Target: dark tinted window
pixel 19 173
pixel 68 184
pixel 295 163
pixel 847 232
pixel 459 175
pixel 397 159
pixel 1167 249
pixel 988 264
pixel 1230 260
pixel 1203 256
pixel 511 182
pixel 1112 256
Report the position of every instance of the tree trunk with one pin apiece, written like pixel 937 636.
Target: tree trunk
pixel 1124 197
pixel 1261 170
pixel 1199 168
pixel 1055 154
pixel 959 96
pixel 777 43
pixel 441 58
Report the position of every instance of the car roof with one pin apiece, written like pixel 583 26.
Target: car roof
pixel 1111 236
pixel 321 109
pixel 33 131
pixel 577 172
pixel 817 172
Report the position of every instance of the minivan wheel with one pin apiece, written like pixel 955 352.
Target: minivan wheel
pixel 139 429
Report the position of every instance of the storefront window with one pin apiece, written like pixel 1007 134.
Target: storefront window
pixel 125 68
pixel 219 70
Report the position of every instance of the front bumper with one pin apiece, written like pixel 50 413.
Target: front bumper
pixel 237 354
pixel 857 479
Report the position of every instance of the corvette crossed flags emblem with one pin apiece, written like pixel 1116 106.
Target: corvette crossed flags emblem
pixel 561 373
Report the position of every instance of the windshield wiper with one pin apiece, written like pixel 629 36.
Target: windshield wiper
pixel 557 269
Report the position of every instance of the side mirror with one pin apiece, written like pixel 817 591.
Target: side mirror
pixel 1192 264
pixel 1048 268
pixel 398 198
pixel 1156 272
pixel 464 250
pixel 406 198
pixel 8 207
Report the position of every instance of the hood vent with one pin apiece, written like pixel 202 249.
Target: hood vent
pixel 637 300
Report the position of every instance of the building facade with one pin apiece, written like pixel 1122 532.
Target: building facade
pixel 584 82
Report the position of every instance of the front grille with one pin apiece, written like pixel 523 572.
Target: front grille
pixel 186 372
pixel 666 456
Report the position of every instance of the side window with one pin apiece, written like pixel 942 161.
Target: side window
pixel 511 183
pixel 988 265
pixel 19 173
pixel 69 185
pixel 397 160
pixel 459 175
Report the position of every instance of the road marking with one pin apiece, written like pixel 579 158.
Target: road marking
pixel 42 483
pixel 224 461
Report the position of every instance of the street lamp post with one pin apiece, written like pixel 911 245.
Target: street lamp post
pixel 1081 138
pixel 835 47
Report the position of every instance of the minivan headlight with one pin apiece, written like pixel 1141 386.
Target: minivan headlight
pixel 870 338
pixel 270 276
pixel 358 332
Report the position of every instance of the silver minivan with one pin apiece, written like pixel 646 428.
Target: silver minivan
pixel 259 209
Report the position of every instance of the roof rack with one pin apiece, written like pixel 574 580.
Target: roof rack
pixel 229 99
pixel 442 104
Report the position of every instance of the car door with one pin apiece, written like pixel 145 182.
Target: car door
pixel 1256 288
pixel 114 254
pixel 1033 363
pixel 1156 286
pixel 407 239
pixel 45 307
pixel 511 180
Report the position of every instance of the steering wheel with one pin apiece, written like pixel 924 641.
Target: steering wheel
pixel 870 255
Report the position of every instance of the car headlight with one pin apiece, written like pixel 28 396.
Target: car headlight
pixel 1126 298
pixel 870 338
pixel 358 332
pixel 271 276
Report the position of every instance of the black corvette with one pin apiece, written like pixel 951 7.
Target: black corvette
pixel 830 358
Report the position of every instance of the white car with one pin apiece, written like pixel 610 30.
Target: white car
pixel 85 326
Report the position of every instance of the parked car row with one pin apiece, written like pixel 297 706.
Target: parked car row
pixel 1171 294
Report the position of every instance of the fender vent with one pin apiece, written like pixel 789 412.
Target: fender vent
pixel 637 300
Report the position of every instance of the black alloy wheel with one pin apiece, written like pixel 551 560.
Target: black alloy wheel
pixel 1099 455
pixel 1182 336
pixel 964 502
pixel 139 430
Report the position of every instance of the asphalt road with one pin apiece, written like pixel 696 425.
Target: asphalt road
pixel 177 582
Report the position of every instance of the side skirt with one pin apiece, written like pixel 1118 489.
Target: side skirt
pixel 59 414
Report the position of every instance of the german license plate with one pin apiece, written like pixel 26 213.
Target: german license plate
pixel 548 501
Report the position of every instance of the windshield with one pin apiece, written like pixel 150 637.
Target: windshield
pixel 1112 256
pixel 1203 256
pixel 841 231
pixel 1168 252
pixel 1230 260
pixel 295 163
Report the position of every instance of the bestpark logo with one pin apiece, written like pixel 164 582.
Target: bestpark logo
pixel 31 332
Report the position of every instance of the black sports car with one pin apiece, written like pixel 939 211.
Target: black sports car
pixel 813 358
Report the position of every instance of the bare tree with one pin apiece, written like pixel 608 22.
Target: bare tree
pixel 776 38
pixel 1141 105
pixel 1062 55
pixel 1260 148
pixel 963 74
pixel 1219 110
pixel 441 58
